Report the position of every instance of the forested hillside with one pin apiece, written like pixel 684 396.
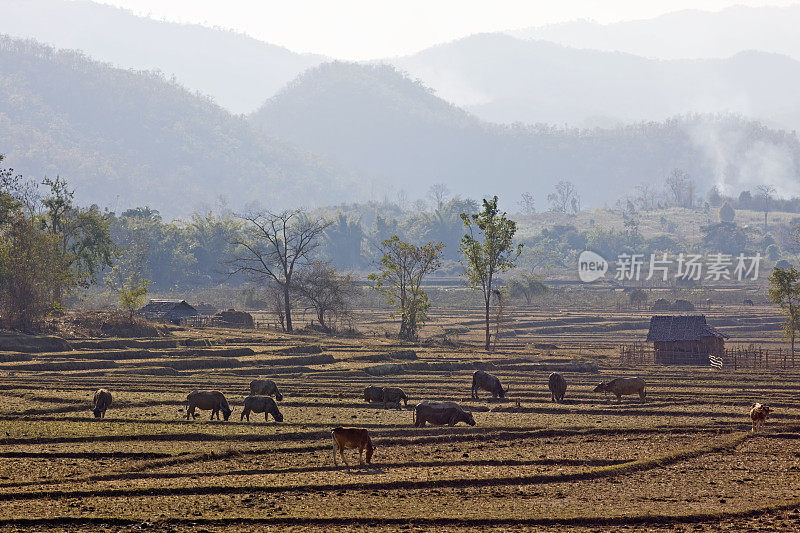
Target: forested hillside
pixel 236 70
pixel 127 139
pixel 377 120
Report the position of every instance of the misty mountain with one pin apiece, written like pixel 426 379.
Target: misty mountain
pixel 503 79
pixel 375 119
pixel 125 138
pixel 684 34
pixel 237 71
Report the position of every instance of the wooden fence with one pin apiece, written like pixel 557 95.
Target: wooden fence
pixel 734 358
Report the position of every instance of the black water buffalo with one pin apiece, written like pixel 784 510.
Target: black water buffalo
pixel 488 382
pixel 558 387
pixel 265 387
pixel 440 413
pixel 207 399
pixel 394 395
pixel 373 394
pixel 261 404
pixel 622 386
pixel 101 402
pixel 386 395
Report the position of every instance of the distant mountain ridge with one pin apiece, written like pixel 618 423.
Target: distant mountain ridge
pixel 578 79
pixel 686 34
pixel 237 71
pixel 504 79
pixel 375 119
pixel 125 139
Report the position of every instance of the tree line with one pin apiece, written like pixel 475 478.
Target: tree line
pixel 49 247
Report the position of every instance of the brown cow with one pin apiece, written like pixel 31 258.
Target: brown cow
pixel 759 414
pixel 261 404
pixel 101 402
pixel 207 399
pixel 620 386
pixel 348 437
pixel 265 387
pixel 440 413
pixel 558 387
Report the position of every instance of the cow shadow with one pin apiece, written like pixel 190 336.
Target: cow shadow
pixel 366 470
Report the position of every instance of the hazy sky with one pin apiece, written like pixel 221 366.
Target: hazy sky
pixel 368 29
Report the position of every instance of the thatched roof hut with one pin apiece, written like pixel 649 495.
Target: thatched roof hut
pixel 684 339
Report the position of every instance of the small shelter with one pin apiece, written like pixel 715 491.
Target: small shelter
pixel 684 340
pixel 167 311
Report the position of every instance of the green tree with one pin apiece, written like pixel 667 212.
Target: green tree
pixel 784 290
pixel 442 224
pixel 131 295
pixel 403 267
pixel 488 248
pixel 343 238
pixel 83 235
pixel 32 272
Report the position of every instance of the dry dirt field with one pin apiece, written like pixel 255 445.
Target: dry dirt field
pixel 683 460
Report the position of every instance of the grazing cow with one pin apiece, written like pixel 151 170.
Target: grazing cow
pixel 261 404
pixel 747 302
pixel 373 394
pixel 394 395
pixel 440 413
pixel 488 382
pixel 265 387
pixel 356 438
pixel 207 399
pixel 101 402
pixel 558 386
pixel 620 386
pixel 759 414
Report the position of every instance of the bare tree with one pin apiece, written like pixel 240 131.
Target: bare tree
pixel 680 188
pixel 564 198
pixel 326 291
pixel 272 247
pixel 439 193
pixel 527 204
pixel 645 196
pixel 765 192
